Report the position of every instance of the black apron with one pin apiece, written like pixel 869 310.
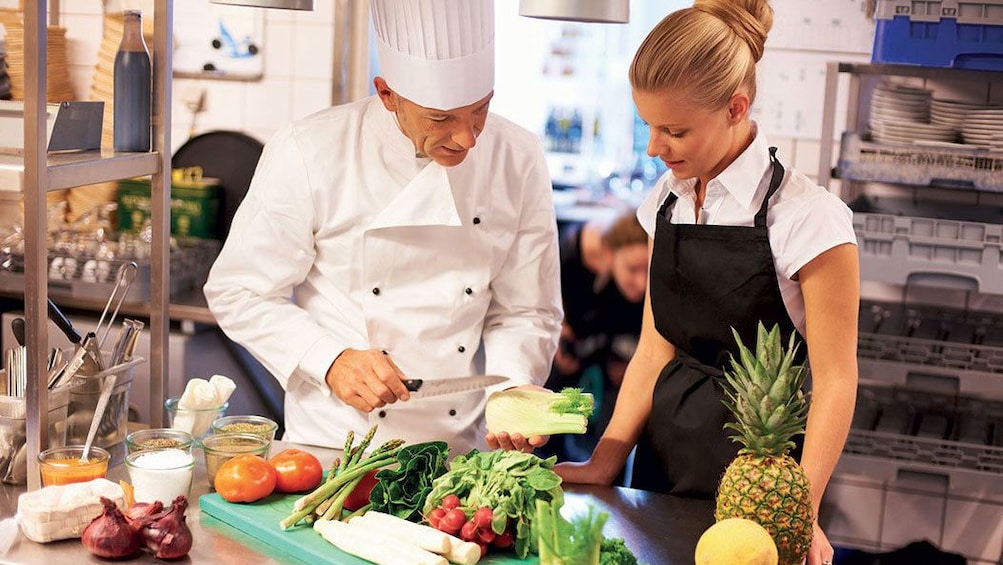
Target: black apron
pixel 704 280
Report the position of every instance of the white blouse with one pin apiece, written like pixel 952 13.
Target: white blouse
pixel 804 219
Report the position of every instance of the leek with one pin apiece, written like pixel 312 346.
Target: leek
pixel 538 412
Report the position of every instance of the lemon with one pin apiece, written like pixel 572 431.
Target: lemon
pixel 736 541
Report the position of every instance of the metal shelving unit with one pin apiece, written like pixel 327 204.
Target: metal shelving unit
pixel 924 435
pixel 43 173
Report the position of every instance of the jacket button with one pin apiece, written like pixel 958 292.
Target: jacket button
pixel 477 220
pixel 376 290
pixel 461 349
pixel 452 412
pixel 383 414
pixel 468 290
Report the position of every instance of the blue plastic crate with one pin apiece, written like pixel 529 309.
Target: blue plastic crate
pixel 947 33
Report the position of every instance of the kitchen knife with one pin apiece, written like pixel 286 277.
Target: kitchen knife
pixel 423 388
pixel 18 327
pixel 61 321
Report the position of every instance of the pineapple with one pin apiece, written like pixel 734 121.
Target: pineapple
pixel 763 483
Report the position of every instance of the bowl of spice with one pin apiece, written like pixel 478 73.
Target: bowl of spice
pixel 62 465
pixel 160 474
pixel 219 449
pixel 257 425
pixel 159 438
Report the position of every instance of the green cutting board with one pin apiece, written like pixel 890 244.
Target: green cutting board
pixel 260 520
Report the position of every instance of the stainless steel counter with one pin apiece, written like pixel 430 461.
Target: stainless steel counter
pixel 659 529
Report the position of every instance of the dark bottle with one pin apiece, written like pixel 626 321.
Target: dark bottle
pixel 132 87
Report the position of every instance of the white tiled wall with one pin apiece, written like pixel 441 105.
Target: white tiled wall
pixel 298 59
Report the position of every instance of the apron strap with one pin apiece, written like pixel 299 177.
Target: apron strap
pixel 775 180
pixel 667 205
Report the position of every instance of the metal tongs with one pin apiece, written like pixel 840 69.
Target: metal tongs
pixel 89 348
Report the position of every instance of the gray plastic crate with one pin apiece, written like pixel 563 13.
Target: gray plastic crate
pixel 920 165
pixel 896 429
pixel 932 348
pixel 932 252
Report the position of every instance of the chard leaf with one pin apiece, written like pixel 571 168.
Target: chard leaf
pixel 542 479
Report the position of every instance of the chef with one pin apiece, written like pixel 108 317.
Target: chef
pixel 407 235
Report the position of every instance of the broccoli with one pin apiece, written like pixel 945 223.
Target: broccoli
pixel 613 551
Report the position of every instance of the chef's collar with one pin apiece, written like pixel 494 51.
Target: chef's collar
pixel 753 163
pixel 398 145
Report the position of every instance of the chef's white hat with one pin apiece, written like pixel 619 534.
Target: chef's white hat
pixel 436 53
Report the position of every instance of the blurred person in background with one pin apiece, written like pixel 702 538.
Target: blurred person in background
pixel 604 272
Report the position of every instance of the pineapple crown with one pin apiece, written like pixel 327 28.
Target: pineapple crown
pixel 764 393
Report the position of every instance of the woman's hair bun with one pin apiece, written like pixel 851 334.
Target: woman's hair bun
pixel 751 20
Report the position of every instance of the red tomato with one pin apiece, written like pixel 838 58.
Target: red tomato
pixel 296 470
pixel 245 478
pixel 359 497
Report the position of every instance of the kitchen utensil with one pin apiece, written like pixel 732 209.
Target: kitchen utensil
pixel 123 281
pixel 63 323
pixel 423 388
pixel 106 387
pixel 17 326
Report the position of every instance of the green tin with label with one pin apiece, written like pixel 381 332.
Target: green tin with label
pixel 195 205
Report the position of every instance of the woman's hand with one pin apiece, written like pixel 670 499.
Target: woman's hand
pixel 820 552
pixel 584 473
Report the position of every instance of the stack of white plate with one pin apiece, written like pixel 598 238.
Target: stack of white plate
pixel 901 114
pixel 983 127
pixel 951 112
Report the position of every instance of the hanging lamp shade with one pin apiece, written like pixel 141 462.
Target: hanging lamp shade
pixel 592 11
pixel 280 4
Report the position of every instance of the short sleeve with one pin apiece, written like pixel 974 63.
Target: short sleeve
pixel 819 223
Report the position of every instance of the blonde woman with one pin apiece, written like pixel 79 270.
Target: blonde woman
pixel 736 237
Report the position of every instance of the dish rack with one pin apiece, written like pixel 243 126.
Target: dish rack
pixel 88 277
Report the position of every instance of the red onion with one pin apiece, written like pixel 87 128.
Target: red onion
pixel 167 535
pixel 109 535
pixel 141 512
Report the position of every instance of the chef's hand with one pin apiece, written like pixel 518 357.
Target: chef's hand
pixel 517 442
pixel 366 379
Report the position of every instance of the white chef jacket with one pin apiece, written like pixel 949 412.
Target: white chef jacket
pixel 347 240
pixel 803 220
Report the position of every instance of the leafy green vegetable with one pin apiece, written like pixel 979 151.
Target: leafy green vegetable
pixel 537 412
pixel 401 491
pixel 613 551
pixel 563 542
pixel 573 401
pixel 508 482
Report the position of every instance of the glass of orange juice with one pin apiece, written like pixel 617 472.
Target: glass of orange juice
pixel 62 465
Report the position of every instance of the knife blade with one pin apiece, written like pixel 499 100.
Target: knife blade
pixel 63 323
pixel 423 388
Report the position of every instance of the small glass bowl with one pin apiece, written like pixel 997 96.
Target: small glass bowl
pixel 160 474
pixel 219 449
pixel 62 465
pixel 194 421
pixel 159 438
pixel 257 425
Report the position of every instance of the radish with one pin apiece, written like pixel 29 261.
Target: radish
pixel 453 521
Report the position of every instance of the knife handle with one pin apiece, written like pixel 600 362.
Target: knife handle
pixel 413 385
pixel 56 315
